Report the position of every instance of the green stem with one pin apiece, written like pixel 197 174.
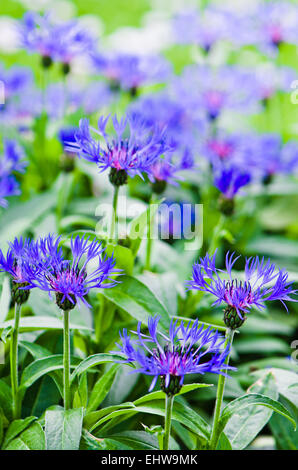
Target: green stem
pixel 216 234
pixel 14 362
pixel 168 418
pixel 66 361
pixel 114 215
pixel 220 393
pixel 150 229
pixel 98 320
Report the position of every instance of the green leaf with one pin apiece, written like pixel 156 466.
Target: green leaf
pixel 21 216
pixel 137 300
pixel 123 256
pixel 95 360
pixel 40 367
pixel 16 428
pixel 32 438
pixel 223 443
pixel 181 413
pixel 252 399
pixel 285 436
pixel 63 429
pixel 40 323
pixel 101 388
pixel 136 440
pixel 5 399
pixel 246 424
pixel 164 287
pixel 286 382
pixel 81 394
pixel 159 395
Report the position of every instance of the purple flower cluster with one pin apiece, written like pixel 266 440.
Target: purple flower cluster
pixel 132 149
pixel 184 350
pixel 11 161
pixel 262 283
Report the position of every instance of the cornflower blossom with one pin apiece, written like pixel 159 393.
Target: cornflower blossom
pixel 262 283
pixel 269 79
pixel 131 151
pixel 71 279
pixel 11 161
pixel 229 179
pixel 186 349
pixel 60 42
pixel 130 72
pixel 206 28
pixel 272 24
pixel 19 263
pixel 215 90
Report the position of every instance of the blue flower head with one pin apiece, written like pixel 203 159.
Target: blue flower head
pixel 72 279
pixel 186 349
pixel 131 151
pixel 129 71
pixel 20 263
pixel 262 283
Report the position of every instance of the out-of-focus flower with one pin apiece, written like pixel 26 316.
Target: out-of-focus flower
pixel 273 23
pixel 131 151
pixel 11 161
pixel 229 179
pixel 70 279
pixel 54 41
pixel 270 79
pixel 186 349
pixel 207 27
pixel 262 283
pixel 130 72
pixel 215 90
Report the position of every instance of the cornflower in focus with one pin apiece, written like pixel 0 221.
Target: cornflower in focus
pixel 262 282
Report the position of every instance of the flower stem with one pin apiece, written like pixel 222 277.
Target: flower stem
pixel 98 320
pixel 114 214
pixel 168 418
pixel 14 362
pixel 216 234
pixel 66 360
pixel 220 393
pixel 150 229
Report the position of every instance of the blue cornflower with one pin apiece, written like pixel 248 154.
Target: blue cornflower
pixel 207 27
pixel 215 90
pixel 229 179
pixel 273 23
pixel 15 80
pixel 11 161
pixel 129 71
pixel 132 150
pixel 20 263
pixel 71 279
pixel 184 350
pixel 262 283
pixel 54 41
